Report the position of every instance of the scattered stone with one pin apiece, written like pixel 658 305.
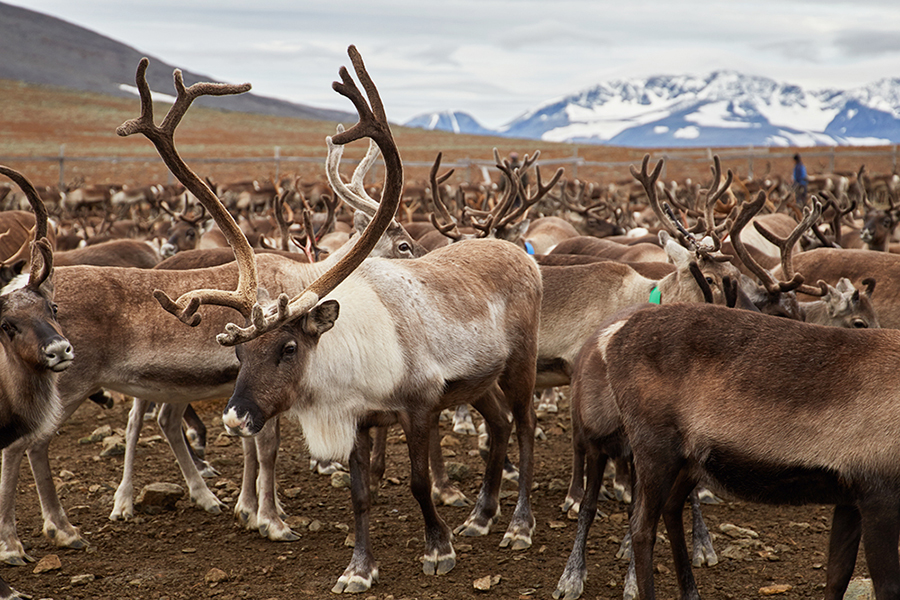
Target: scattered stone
pixel 539 434
pixel 223 440
pixel 734 552
pixel 150 440
pixel 97 435
pixel 733 531
pixel 292 493
pixel 315 526
pixel 215 575
pixel 556 525
pixel 297 522
pixel 82 579
pixel 188 550
pixel 449 441
pixel 340 479
pixel 799 525
pixel 113 445
pixel 350 540
pixel 463 547
pixel 860 589
pixel 557 485
pixel 66 475
pixel 772 590
pixel 392 480
pixel 458 471
pixel 662 569
pixel 158 497
pixel 50 562
pixel 484 584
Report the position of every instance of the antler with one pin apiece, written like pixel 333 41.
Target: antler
pixel 786 246
pixel 40 269
pixel 354 195
pixel 440 216
pixel 162 137
pixel 373 124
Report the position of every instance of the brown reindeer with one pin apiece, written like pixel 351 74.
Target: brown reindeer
pixel 34 349
pixel 390 314
pixel 686 384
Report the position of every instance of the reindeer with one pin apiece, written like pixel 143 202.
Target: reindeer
pixel 817 431
pixel 394 312
pixel 879 223
pixel 167 364
pixel 34 349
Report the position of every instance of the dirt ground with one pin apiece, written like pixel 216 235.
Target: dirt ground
pixel 169 555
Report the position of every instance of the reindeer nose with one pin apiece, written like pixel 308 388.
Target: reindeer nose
pixel 59 355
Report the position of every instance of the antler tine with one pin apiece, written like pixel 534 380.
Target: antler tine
pixel 527 200
pixel 747 212
pixel 282 222
pixel 443 222
pixel 786 246
pixel 716 192
pixel 357 182
pixel 162 137
pixel 40 270
pixel 648 181
pixel 332 170
pixel 861 187
pixel 372 123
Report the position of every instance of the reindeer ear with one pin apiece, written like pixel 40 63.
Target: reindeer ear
pixel 321 318
pixel 678 255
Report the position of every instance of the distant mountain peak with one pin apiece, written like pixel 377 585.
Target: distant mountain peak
pixel 723 108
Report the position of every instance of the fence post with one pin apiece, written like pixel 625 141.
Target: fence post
pixel 62 166
pixel 277 165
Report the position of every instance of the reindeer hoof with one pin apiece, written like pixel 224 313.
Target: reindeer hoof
pixel 19 561
pixel 278 534
pixel 570 504
pixel 516 541
pixel 435 564
pixel 570 586
pixel 354 583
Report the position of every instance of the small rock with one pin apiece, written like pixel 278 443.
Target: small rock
pixel 733 531
pixel 113 445
pixel 449 441
pixel 315 526
pixel 66 475
pixel 340 479
pixel 215 575
pixel 157 497
pixel 485 583
pixel 223 440
pixel 772 590
pixel 297 522
pixel 292 493
pixel 734 553
pixel 100 433
pixel 150 440
pixel 188 550
pixel 50 562
pixel 457 471
pixel 350 540
pixel 556 525
pixel 82 579
pixel 860 589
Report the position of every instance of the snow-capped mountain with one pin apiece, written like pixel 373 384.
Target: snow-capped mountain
pixel 724 108
pixel 455 121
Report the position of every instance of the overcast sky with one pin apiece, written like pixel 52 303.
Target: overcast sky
pixel 496 59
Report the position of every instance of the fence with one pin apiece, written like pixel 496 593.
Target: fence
pixel 681 163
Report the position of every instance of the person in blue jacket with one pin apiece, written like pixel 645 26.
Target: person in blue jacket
pixel 801 181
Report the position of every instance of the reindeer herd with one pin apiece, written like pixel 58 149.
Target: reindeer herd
pixel 697 353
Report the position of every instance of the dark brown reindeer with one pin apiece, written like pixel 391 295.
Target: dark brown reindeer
pixel 400 316
pixel 34 349
pixel 687 386
pixel 879 222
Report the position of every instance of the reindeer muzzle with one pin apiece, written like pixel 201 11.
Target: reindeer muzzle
pixel 58 355
pixel 242 420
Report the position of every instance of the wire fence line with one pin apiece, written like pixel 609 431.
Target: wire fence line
pixel 749 161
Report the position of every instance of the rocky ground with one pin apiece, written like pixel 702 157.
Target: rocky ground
pixel 184 553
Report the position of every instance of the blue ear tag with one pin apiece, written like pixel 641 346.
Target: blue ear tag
pixel 529 248
pixel 655 296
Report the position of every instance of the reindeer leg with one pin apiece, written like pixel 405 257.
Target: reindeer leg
pixel 441 489
pixel 518 390
pixel 56 523
pixel 881 530
pixel 363 569
pixel 487 506
pixel 703 551
pixel 379 456
pixel 439 557
pixel 571 583
pixel 247 506
pixel 123 503
pixel 195 433
pixel 843 547
pixel 576 483
pixel 11 550
pixel 672 515
pixel 169 421
pixel 269 517
pixel 462 421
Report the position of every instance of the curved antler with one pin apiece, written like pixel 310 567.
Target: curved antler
pixel 373 124
pixel 440 216
pixel 786 247
pixel 40 269
pixel 354 195
pixel 162 137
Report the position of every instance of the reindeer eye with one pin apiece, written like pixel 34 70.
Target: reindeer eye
pixel 8 328
pixel 858 324
pixel 404 247
pixel 289 349
pixel 54 308
pixel 709 280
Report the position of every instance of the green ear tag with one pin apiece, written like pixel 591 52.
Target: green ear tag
pixel 655 296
